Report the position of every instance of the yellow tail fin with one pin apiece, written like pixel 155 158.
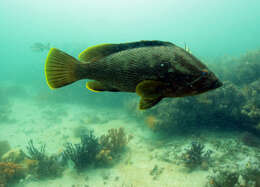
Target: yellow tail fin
pixel 60 69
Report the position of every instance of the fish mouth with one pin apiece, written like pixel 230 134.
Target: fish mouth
pixel 216 84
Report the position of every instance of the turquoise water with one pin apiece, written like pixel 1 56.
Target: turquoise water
pixel 223 34
pixel 209 28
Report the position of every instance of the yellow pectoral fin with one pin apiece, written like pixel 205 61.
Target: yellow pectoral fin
pixel 150 89
pixel 146 103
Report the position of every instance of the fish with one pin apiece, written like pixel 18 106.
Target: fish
pixel 40 47
pixel 154 70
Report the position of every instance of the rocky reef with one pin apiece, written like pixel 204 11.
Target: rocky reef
pixel 248 176
pixel 222 107
pixel 245 69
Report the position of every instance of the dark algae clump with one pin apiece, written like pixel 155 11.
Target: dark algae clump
pixel 196 156
pixel 34 153
pixel 40 165
pixel 96 151
pixel 84 153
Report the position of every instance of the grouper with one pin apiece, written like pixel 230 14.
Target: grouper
pixel 152 69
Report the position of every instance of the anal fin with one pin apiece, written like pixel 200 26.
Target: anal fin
pixel 97 86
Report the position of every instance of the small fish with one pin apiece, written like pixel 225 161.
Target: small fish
pixel 153 69
pixel 40 47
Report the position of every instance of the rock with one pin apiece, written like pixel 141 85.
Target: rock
pixel 14 155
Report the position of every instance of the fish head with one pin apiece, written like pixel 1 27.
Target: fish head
pixel 204 82
pixel 187 76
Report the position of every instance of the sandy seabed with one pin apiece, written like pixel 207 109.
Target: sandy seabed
pixel 53 125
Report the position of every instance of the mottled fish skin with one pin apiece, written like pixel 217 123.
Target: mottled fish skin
pixel 179 70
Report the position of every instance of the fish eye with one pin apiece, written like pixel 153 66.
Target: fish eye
pixel 164 64
pixel 204 72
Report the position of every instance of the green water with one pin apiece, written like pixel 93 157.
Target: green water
pixel 223 34
pixel 210 28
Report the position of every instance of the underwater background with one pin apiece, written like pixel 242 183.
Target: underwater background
pixel 74 137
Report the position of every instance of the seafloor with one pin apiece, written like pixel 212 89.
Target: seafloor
pixel 150 158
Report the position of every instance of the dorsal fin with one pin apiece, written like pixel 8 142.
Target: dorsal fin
pixel 97 52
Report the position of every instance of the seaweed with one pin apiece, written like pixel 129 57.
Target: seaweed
pixel 92 150
pixel 41 165
pixel 10 173
pixel 112 144
pixel 195 155
pixel 115 140
pixel 36 154
pixel 104 156
pixel 84 153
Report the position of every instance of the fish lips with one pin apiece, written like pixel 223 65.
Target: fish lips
pixel 216 84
